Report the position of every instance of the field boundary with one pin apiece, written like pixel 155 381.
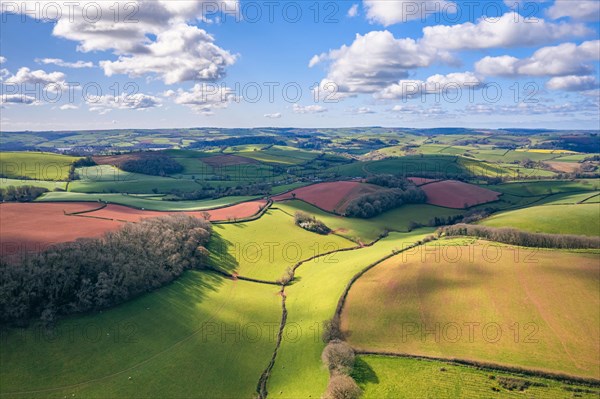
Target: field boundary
pixel 566 378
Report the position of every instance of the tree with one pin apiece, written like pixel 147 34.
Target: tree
pixel 338 357
pixel 342 387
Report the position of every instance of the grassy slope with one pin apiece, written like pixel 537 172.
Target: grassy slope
pixel 367 230
pixel 132 341
pixel 264 248
pixel 389 378
pixel 50 185
pixel 583 219
pixel 298 372
pixel 148 203
pixel 35 165
pixel 554 296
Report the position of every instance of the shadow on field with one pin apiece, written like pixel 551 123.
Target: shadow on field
pixel 221 257
pixel 363 373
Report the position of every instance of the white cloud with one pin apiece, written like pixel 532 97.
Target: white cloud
pixel 2 60
pixel 418 110
pixel 564 59
pixel 353 11
pixel 389 12
pixel 572 83
pixel 374 61
pixel 510 30
pixel 138 101
pixel 275 115
pixel 62 63
pixel 156 39
pixel 433 85
pixel 203 98
pixel 309 109
pixel 17 99
pixel 539 108
pixel 26 76
pixel 582 10
pixel 363 111
pixel 179 54
pixel 66 107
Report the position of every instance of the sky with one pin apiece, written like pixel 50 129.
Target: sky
pixel 73 65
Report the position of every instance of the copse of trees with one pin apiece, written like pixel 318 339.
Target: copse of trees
pixel 152 164
pixel 522 238
pixel 311 223
pixel 208 191
pixel 370 205
pixel 93 274
pixel 21 193
pixel 389 181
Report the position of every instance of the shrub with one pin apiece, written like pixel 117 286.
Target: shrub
pixel 342 387
pixel 21 194
pixel 310 223
pixel 287 276
pixel 332 330
pixel 338 357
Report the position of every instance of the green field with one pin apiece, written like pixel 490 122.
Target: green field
pixel 148 202
pixel 264 248
pixel 298 372
pixel 481 301
pixel 35 165
pixel 195 333
pixel 538 188
pixel 581 219
pixel 50 185
pixel 390 378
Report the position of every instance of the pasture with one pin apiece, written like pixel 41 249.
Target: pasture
pixel 482 301
pixel 35 165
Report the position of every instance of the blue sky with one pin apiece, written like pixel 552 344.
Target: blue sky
pixel 411 63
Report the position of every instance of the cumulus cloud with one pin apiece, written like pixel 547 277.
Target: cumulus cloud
pixel 389 12
pixel 433 85
pixel 353 11
pixel 66 107
pixel 150 37
pixel 510 30
pixel 17 99
pixel 418 110
pixel 572 83
pixel 363 111
pixel 2 60
pixel 203 98
pixel 564 59
pixel 65 64
pixel 138 101
pixel 275 115
pixel 582 10
pixel 374 61
pixel 309 109
pixel 26 76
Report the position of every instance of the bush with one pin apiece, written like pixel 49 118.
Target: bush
pixel 342 387
pixel 93 274
pixel 21 194
pixel 310 223
pixel 338 357
pixel 332 330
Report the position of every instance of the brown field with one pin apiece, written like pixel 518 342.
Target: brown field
pixel 497 304
pixel 565 167
pixel 124 213
pixel 331 197
pixel 218 161
pixel 456 194
pixel 34 227
pixel 117 160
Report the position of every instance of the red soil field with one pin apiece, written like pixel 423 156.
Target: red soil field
pixel 456 194
pixel 566 167
pixel 228 160
pixel 33 227
pixel 124 213
pixel 332 196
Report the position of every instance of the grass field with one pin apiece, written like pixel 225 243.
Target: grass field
pixel 35 165
pixel 218 330
pixel 142 201
pixel 582 219
pixel 390 378
pixel 264 248
pixel 298 372
pixel 537 188
pixel 367 230
pixel 50 185
pixel 532 309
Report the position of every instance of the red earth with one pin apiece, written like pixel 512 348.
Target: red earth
pixel 331 196
pixel 124 213
pixel 33 227
pixel 456 194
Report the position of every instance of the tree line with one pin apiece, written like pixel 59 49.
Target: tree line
pixel 522 238
pixel 370 205
pixel 207 191
pixel 152 164
pixel 21 193
pixel 94 274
